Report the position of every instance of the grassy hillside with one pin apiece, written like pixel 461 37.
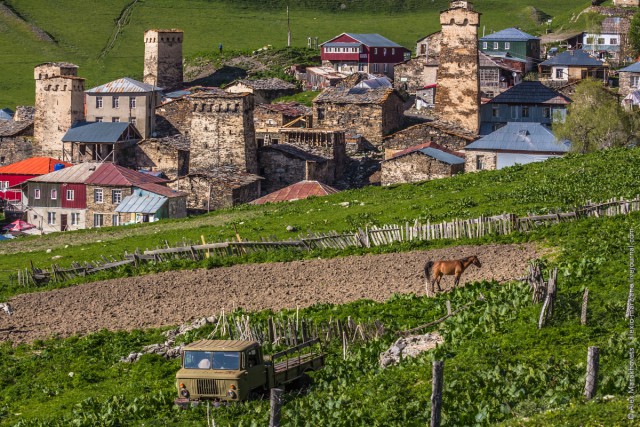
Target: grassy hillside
pixel 82 30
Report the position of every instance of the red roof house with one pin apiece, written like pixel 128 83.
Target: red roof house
pixel 299 190
pixel 17 173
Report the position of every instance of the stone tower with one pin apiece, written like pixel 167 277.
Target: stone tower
pixel 59 103
pixel 222 132
pixel 458 90
pixel 163 58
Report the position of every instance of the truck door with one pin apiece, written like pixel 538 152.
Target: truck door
pixel 256 376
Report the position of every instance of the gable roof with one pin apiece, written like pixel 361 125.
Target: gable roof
pixel 574 58
pixel 33 166
pixel 141 204
pixel 354 95
pixel 433 150
pixel 509 34
pixel 292 151
pixel 521 136
pixel 530 92
pixel 100 132
pixel 72 175
pixel 297 191
pixel 124 85
pixel 113 175
pixel 161 190
pixel 371 40
pixel 633 68
pixel 273 83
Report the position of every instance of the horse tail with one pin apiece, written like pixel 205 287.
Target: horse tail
pixel 427 269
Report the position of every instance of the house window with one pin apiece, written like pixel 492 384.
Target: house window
pixel 115 119
pixel 71 194
pixel 132 120
pixel 51 218
pixel 361 66
pixel 485 45
pixel 115 102
pixel 98 220
pixel 393 51
pixel 600 40
pixel 54 194
pixel 375 50
pixel 590 40
pixel 635 81
pixel 375 68
pixel 546 112
pixel 75 218
pixel 480 163
pixel 507 45
pixel 384 51
pixel 385 67
pixel 495 45
pixel 525 111
pixel 98 102
pixel 559 73
pixel 613 41
pixel 132 102
pixel 97 195
pixel 116 196
pixel 514 112
pixel 4 185
pixel 99 119
pixel 320 112
pixel 495 112
pixel 36 194
pixel 115 220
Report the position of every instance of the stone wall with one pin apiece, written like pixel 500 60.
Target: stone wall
pixel 489 160
pixel 15 149
pixel 425 132
pixel 281 170
pixel 107 208
pixel 158 155
pixel 208 193
pixel 163 58
pixel 458 92
pixel 174 118
pixel 416 167
pixel 414 74
pixel 625 83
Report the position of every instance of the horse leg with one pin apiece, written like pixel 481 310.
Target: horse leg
pixel 438 278
pixel 456 281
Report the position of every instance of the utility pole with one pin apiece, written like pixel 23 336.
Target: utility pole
pixel 288 28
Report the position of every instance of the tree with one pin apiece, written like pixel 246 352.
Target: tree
pixel 634 34
pixel 596 120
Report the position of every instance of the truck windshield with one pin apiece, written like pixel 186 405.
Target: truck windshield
pixel 229 360
pixel 198 359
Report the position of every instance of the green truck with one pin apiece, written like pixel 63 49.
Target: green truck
pixel 236 370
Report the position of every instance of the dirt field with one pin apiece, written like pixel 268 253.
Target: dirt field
pixel 177 297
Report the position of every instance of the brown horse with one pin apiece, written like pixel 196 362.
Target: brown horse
pixel 448 268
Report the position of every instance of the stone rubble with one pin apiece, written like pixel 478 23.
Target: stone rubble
pixel 410 346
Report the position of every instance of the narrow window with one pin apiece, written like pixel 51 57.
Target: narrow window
pixel 98 220
pixel 51 218
pixel 36 194
pixel 99 119
pixel 116 196
pixel 485 45
pixel 54 194
pixel 70 194
pixel 546 112
pixel 115 102
pixel 495 112
pixel 132 102
pixel 480 163
pixel 115 220
pixel 98 102
pixel 525 111
pixel 97 195
pixel 495 45
pixel 75 218
pixel 507 45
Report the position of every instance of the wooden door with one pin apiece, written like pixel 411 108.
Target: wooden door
pixel 63 222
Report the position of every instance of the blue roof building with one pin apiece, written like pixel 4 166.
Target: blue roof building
pixel 6 114
pixel 629 79
pixel 98 141
pixel 513 42
pixel 572 65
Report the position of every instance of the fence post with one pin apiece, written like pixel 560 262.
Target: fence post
pixel 593 363
pixel 276 407
pixel 585 300
pixel 436 392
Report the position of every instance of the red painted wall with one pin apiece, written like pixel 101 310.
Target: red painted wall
pixel 371 57
pixel 79 197
pixel 13 180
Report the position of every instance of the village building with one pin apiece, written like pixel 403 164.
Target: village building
pixel 59 104
pixel 572 65
pixel 282 165
pixel 442 134
pixel 610 44
pixel 124 100
pixel 16 141
pixel 264 91
pixel 16 173
pixel 98 141
pixel 169 155
pixel 415 74
pixel 371 53
pixel 429 45
pixel 496 76
pixel 458 90
pixel 369 113
pixel 298 191
pixel 514 43
pixel 217 188
pixel 529 101
pixel 421 162
pixel 514 143
pixel 319 78
pixel 163 58
pixel 629 79
pixel 269 118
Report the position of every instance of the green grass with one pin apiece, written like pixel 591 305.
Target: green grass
pixel 82 30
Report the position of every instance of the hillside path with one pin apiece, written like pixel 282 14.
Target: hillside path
pixel 177 297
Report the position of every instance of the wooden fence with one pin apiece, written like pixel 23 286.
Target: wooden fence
pixel 367 237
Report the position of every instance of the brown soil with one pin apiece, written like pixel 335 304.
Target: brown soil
pixel 177 297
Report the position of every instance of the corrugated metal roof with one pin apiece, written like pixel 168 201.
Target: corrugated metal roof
pixel 299 190
pixel 633 68
pixel 113 175
pixel 575 58
pixel 373 40
pixel 99 132
pixel 72 175
pixel 531 92
pixel 6 114
pixel 509 34
pixel 124 85
pixel 141 204
pixel 521 136
pixel 161 190
pixel 220 345
pixel 33 166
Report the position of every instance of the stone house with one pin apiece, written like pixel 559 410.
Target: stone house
pixel 124 100
pixel 16 141
pixel 269 118
pixel 169 155
pixel 370 113
pixel 264 91
pixel 414 74
pixel 318 78
pixel 298 191
pixel 442 134
pixel 421 163
pixel 217 188
pixel 151 202
pixel 496 76
pixel 572 65
pixel 163 58
pixel 514 143
pixel 98 141
pixel 629 79
pixel 282 165
pixel 515 43
pixel 429 45
pixel 529 101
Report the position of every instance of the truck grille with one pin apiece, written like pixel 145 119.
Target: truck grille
pixel 211 387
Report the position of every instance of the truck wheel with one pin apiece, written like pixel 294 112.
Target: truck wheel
pixel 302 383
pixel 257 394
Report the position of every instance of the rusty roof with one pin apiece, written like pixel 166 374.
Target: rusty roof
pixel 296 152
pixel 299 190
pixel 109 174
pixel 286 108
pixel 354 95
pixel 33 166
pixel 124 85
pixel 265 84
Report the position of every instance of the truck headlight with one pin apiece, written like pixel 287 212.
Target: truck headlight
pixel 231 393
pixel 183 391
